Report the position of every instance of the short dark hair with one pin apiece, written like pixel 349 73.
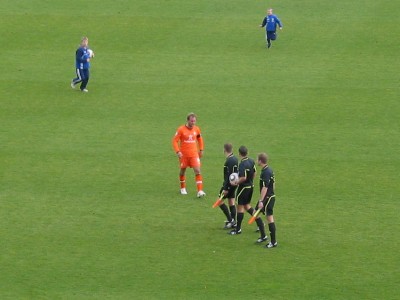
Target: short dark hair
pixel 190 115
pixel 228 147
pixel 243 151
pixel 263 157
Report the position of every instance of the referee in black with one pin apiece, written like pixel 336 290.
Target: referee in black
pixel 227 190
pixel 247 173
pixel 267 196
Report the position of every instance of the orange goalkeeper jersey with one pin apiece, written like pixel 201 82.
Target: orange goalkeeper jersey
pixel 188 141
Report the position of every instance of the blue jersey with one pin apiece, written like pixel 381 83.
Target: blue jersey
pixel 270 22
pixel 81 58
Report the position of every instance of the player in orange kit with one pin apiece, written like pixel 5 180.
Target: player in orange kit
pixel 188 145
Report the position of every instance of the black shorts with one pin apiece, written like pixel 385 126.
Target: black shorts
pixel 270 202
pixel 231 192
pixel 244 194
pixel 271 35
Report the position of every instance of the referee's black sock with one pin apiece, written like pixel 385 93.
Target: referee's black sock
pixel 250 211
pixel 239 221
pixel 232 208
pixel 225 210
pixel 272 230
pixel 260 225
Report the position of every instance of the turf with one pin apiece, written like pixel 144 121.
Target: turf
pixel 89 203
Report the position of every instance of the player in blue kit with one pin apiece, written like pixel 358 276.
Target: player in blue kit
pixel 270 22
pixel 82 63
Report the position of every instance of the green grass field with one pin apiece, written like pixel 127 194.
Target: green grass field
pixel 89 202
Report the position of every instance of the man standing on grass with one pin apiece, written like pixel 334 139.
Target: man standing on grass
pixel 270 22
pixel 82 64
pixel 267 196
pixel 227 190
pixel 247 172
pixel 188 145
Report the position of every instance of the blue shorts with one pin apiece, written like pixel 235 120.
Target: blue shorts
pixel 271 35
pixel 82 74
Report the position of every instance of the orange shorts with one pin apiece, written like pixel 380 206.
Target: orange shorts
pixel 189 162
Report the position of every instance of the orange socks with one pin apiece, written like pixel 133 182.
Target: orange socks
pixel 199 182
pixel 182 180
pixel 198 178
